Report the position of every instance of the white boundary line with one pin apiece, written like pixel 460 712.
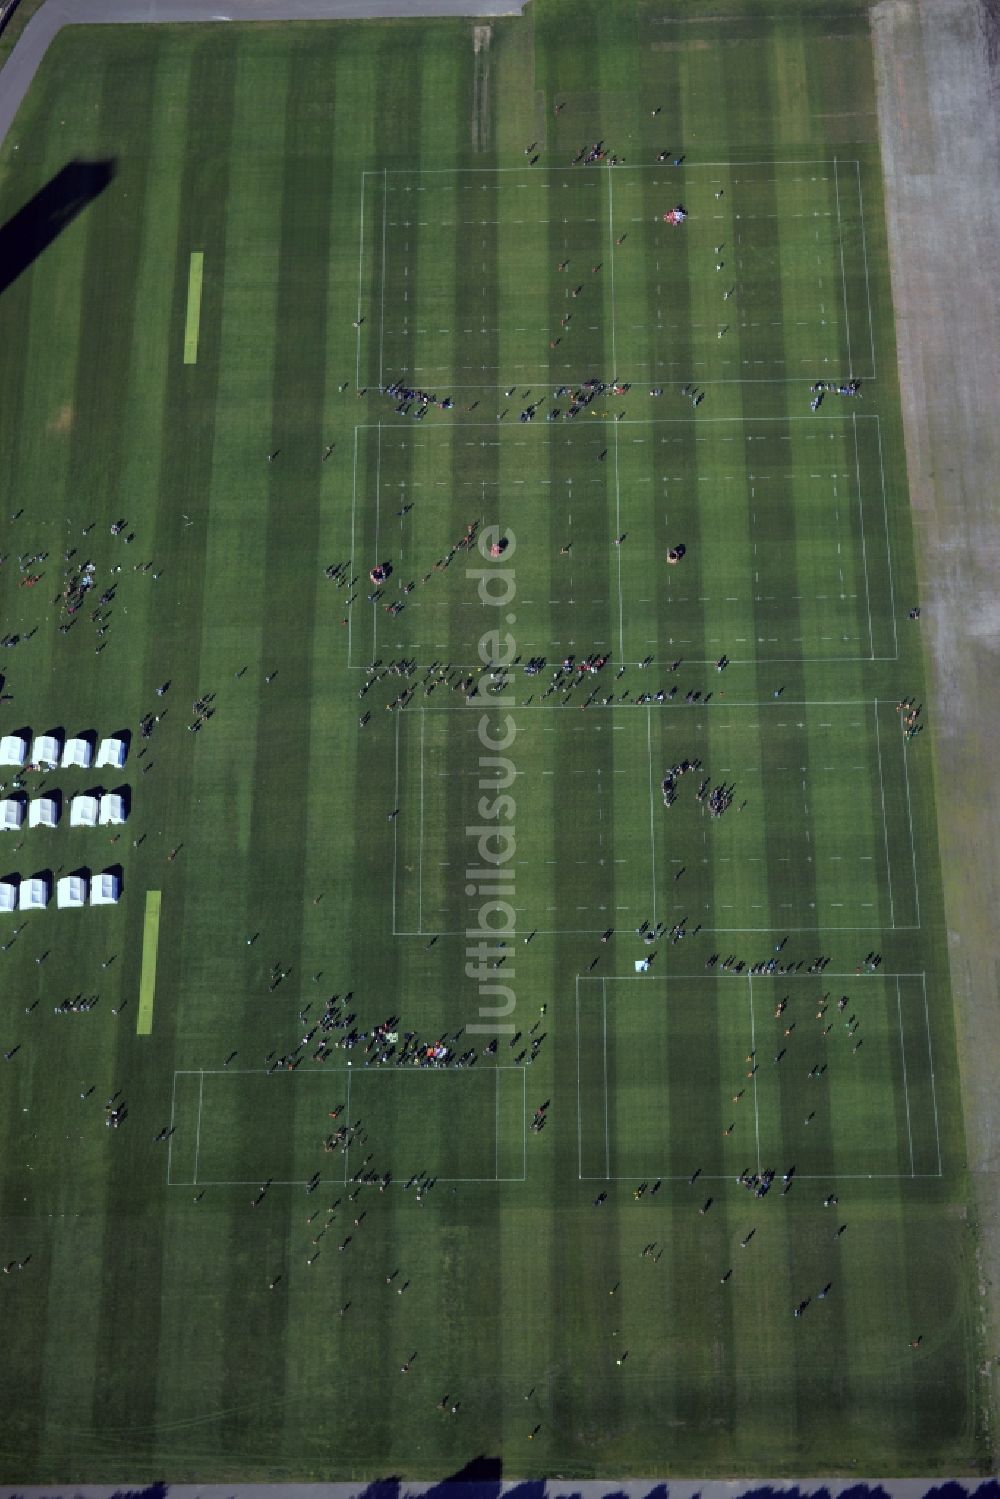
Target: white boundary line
pixel 864 247
pixel 930 1059
pixel 579 1101
pixel 843 273
pixel 655 372
pixel 860 704
pixel 197 1138
pixel 733 931
pixel 361 267
pixel 618 532
pixel 623 167
pixel 170 1137
pixel 611 257
pixel 447 428
pixel 420 853
pixel 381 325
pixel 395 834
pixel 202 1072
pixel 909 819
pixel 906 1090
pixel 861 528
pixel 378 528
pixel 443 424
pixel 885 824
pixel 753 1048
pixel 607 1128
pixel 347 1110
pixel 354 501
pixel 652 817
pixel 888 547
pixel 800 1176
pixel 912 1175
pixel 778 978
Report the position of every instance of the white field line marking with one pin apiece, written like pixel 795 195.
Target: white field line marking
pixel 885 824
pixel 864 1176
pixel 538 375
pixel 774 705
pixel 361 264
pixel 579 1102
pixel 347 1110
pixel 593 931
pixel 861 527
pixel 652 827
pixel 639 166
pixel 888 547
pixel 618 532
pixel 843 273
pixel 607 1136
pixel 346 1069
pixel 354 501
pixel 777 978
pixel 909 818
pixel 395 838
pixel 524 1125
pixel 378 525
pixel 864 247
pixel 420 855
pixel 170 1138
pixel 381 328
pixel 611 256
pixel 496 1133
pixel 930 1058
pixel 303 1182
pixel 197 1138
pixel 753 1048
pixel 444 427
pixel 906 1090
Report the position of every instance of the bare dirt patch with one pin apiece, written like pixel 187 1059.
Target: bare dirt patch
pixel 62 419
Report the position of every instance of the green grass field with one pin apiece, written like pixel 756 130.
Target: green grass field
pixel 368 213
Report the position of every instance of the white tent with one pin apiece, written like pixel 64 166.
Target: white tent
pixel 11 813
pixel 105 889
pixel 8 894
pixel 46 750
pixel 34 893
pixel 112 807
pixel 77 752
pixel 43 812
pixel 112 752
pixel 71 890
pixel 83 811
pixel 13 749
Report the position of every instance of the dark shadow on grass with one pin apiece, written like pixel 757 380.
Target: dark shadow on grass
pixel 43 218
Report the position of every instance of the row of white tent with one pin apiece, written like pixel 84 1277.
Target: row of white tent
pixel 73 890
pixel 52 751
pixel 107 808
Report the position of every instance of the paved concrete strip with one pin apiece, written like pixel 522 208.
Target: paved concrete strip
pixel 939 134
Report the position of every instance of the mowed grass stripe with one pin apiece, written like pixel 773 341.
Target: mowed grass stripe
pixel 105 340
pixel 150 941
pixel 189 429
pixel 193 319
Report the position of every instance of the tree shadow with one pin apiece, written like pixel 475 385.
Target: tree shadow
pixel 43 218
